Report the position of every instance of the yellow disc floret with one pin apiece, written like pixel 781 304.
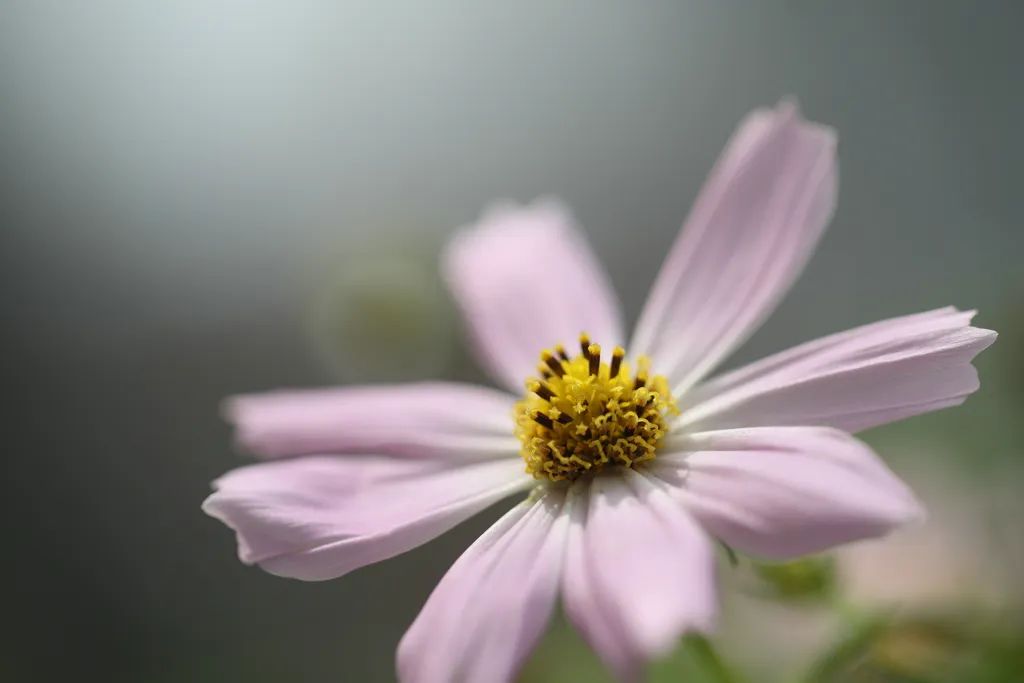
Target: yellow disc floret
pixel 582 415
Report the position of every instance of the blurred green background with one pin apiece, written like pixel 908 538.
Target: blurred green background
pixel 207 197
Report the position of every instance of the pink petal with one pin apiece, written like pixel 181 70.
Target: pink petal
pixel 853 380
pixel 639 571
pixel 527 280
pixel 489 610
pixel 780 492
pixel 320 517
pixel 747 239
pixel 432 419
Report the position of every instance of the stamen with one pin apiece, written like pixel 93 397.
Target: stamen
pixel 617 355
pixel 560 351
pixel 541 389
pixel 641 379
pixel 594 357
pixel 553 363
pixel 584 343
pixel 565 418
pixel 543 420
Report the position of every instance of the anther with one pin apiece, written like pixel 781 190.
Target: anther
pixel 641 379
pixel 617 355
pixel 565 418
pixel 553 363
pixel 594 358
pixel 560 351
pixel 542 390
pixel 584 342
pixel 543 420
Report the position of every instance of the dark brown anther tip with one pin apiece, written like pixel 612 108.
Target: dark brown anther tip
pixel 543 420
pixel 542 390
pixel 553 363
pixel 584 342
pixel 616 361
pixel 594 359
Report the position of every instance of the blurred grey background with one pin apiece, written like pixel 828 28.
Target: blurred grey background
pixel 201 198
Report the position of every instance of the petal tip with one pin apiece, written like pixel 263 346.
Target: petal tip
pixel 209 507
pixel 789 112
pixel 213 507
pixel 987 337
pixel 229 409
pixel 914 513
pixel 236 411
pixel 548 211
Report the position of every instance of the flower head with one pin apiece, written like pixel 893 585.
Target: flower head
pixel 634 460
pixel 583 415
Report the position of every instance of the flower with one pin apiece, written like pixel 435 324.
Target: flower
pixel 634 462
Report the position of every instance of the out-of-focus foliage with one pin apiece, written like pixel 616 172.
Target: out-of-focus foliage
pixel 807 578
pixel 381 313
pixel 696 659
pixel 958 648
pixel 563 657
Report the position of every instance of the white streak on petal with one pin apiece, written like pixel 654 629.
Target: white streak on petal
pixel 320 517
pixel 748 237
pixel 444 420
pixel 853 380
pixel 781 492
pixel 489 610
pixel 639 574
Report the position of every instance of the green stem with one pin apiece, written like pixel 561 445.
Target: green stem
pixel 710 661
pixel 861 633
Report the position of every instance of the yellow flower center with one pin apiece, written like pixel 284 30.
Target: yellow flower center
pixel 583 415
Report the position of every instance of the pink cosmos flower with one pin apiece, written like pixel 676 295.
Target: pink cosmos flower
pixel 634 462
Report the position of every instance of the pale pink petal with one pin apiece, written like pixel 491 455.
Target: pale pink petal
pixel 781 492
pixel 853 380
pixel 489 610
pixel 319 517
pixel 639 571
pixel 430 419
pixel 748 237
pixel 526 280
